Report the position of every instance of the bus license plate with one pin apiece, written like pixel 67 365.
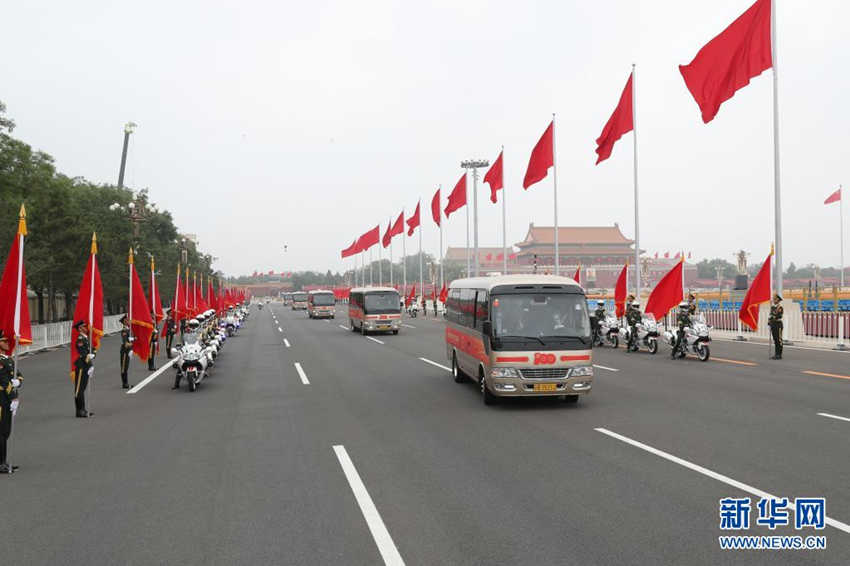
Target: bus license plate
pixel 545 386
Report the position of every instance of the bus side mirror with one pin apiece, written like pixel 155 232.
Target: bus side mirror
pixel 487 328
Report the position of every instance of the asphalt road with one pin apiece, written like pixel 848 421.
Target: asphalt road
pixel 313 445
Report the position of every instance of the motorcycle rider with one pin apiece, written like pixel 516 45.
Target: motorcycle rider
pixel 683 319
pixel 774 321
pixel 633 318
pixel 189 337
pixel 598 317
pixel 126 349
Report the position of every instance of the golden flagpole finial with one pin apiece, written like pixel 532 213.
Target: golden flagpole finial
pixel 152 264
pixel 22 221
pixel 93 242
pixel 130 256
pixel 772 251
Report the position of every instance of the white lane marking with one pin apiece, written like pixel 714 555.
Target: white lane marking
pixel 605 367
pixel 834 417
pixel 279 329
pixel 712 474
pixel 374 340
pixel 408 325
pixel 379 531
pixel 150 378
pixel 286 342
pixel 301 374
pixel 327 320
pixel 441 366
pixel 343 327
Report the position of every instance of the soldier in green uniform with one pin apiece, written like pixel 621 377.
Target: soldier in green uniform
pixel 126 349
pixel 683 319
pixel 692 304
pixel 9 384
pixel 82 368
pixel 633 319
pixel 153 344
pixel 775 323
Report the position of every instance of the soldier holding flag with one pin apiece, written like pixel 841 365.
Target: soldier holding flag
pixel 9 384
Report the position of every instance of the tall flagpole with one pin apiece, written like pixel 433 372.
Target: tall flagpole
pixel 91 288
pixel 841 212
pixel 776 192
pixel 504 225
pixel 555 180
pixel 421 279
pixel 440 212
pixel 380 266
pixel 130 291
pixel 370 266
pixel 637 217
pixel 16 324
pixel 403 255
pixel 391 259
pixel 466 198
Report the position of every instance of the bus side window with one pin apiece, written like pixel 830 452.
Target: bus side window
pixel 467 307
pixel 480 308
pixel 452 305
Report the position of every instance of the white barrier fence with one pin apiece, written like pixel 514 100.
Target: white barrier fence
pixel 59 333
pixel 823 329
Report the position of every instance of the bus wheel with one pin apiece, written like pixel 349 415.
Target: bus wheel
pixel 486 396
pixel 456 372
pixel 395 332
pixel 363 329
pixel 570 399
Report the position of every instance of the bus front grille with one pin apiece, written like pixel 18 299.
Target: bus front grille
pixel 544 373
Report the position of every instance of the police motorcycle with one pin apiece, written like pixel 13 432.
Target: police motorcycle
pixel 647 334
pixel 696 338
pixel 609 331
pixel 231 323
pixel 413 309
pixel 191 357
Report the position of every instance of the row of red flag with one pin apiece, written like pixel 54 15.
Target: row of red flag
pixel 284 274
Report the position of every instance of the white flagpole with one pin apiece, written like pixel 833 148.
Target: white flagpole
pixel 370 266
pixel 391 259
pixel 776 187
pixel 380 266
pixel 440 203
pixel 16 325
pixel 504 225
pixel 841 213
pixel 555 181
pixel 91 300
pixel 130 292
pixel 403 255
pixel 421 278
pixel 635 163
pixel 466 198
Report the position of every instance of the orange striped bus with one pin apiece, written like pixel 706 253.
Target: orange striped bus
pixel 374 309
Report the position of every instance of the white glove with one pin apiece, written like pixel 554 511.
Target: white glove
pixel 89 357
pixel 14 406
pixel 16 382
pixel 91 372
pixel 131 339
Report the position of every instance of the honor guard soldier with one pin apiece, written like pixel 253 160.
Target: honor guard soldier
pixel 598 317
pixel 126 349
pixel 775 323
pixel 683 319
pixel 83 368
pixel 153 345
pixel 692 304
pixel 9 384
pixel 170 331
pixel 633 319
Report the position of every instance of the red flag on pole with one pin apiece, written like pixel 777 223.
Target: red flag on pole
pixel 577 275
pixel 14 304
pixel 457 198
pixel 435 207
pixel 620 292
pixel 444 293
pixel 398 225
pixel 542 158
pixel 350 250
pixel 141 324
pixel 834 197
pixel 413 221
pixel 411 296
pixel 620 122
pixel 758 293
pixel 494 177
pixel 728 62
pixel 668 293
pixel 387 238
pixel 369 239
pixel 89 304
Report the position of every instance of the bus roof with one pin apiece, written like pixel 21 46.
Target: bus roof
pixel 506 280
pixel 373 289
pixel 321 292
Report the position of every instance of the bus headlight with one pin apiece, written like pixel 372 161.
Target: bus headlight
pixel 504 372
pixel 581 371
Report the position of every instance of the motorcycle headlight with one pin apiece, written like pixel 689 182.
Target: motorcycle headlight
pixel 581 371
pixel 504 372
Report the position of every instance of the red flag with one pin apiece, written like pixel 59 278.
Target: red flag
pixel 656 255
pixel 178 306
pixel 666 255
pixel 413 221
pixel 388 237
pixel 668 293
pixel 411 297
pixel 677 255
pixel 620 122
pixel 500 257
pixel 369 239
pixel 689 255
pixel 620 292
pixel 349 251
pixel 494 177
pixel 141 324
pixel 444 294
pixel 758 293
pixel 577 275
pixel 211 296
pixel 14 305
pixel 834 197
pixel 435 207
pixel 156 304
pixel 457 198
pixel 728 62
pixel 512 256
pixel 489 257
pixel 542 158
pixel 89 304
pixel 398 226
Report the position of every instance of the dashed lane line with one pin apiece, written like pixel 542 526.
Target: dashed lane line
pixel 301 374
pixel 435 364
pixel 605 367
pixel 279 329
pixel 408 325
pixel 836 417
pixel 286 342
pixel 343 327
pixel 710 473
pixel 823 374
pixel 379 531
pixel 738 362
pixel 375 340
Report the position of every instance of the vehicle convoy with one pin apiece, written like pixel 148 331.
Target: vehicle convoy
pixel 374 309
pixel 520 335
pixel 299 301
pixel 647 334
pixel 321 304
pixel 287 299
pixel 696 339
pixel 192 358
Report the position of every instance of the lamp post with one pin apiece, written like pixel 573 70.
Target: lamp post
pixel 129 127
pixel 474 164
pixel 137 211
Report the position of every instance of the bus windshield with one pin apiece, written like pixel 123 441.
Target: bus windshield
pixel 382 302
pixel 540 316
pixel 299 297
pixel 323 299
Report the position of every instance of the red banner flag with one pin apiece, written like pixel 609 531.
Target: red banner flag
pixel 494 177
pixel 387 238
pixel 435 207
pixel 398 225
pixel 620 122
pixel 349 251
pixel 411 296
pixel 500 257
pixel 457 198
pixel 758 293
pixel 834 197
pixel 369 239
pixel 141 324
pixel 413 221
pixel 212 299
pixel 620 292
pixel 489 257
pixel 542 157
pixel 89 305
pixel 444 294
pixel 577 275
pixel 14 304
pixel 728 62
pixel 668 293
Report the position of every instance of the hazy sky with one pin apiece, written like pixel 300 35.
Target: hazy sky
pixel 306 123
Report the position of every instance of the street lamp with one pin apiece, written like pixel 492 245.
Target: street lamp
pixel 137 211
pixel 474 164
pixel 129 127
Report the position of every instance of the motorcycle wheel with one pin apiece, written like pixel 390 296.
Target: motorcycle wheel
pixel 703 352
pixel 653 346
pixel 615 341
pixel 192 384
